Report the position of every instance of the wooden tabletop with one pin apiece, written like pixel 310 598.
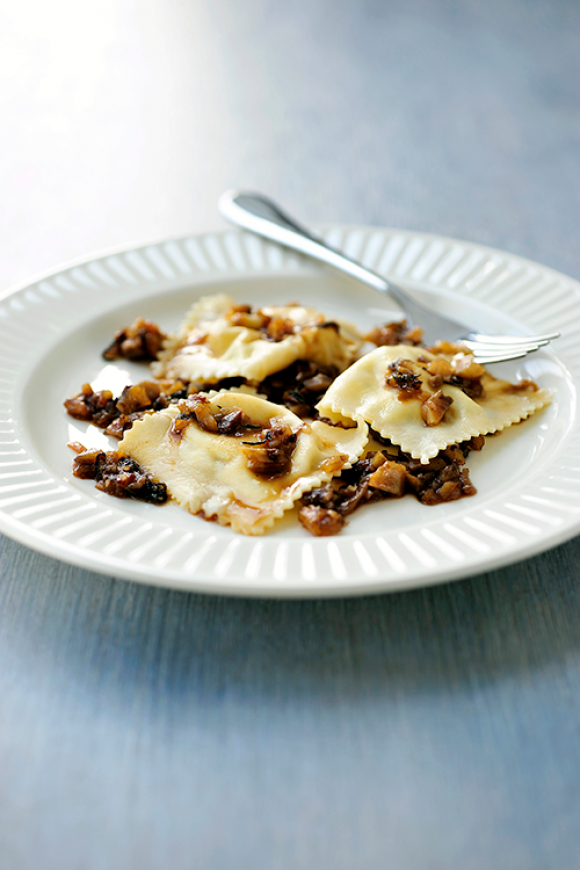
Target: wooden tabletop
pixel 429 730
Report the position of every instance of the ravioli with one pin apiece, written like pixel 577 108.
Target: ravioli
pixel 362 392
pixel 220 339
pixel 209 474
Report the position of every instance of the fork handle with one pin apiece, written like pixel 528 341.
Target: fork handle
pixel 257 213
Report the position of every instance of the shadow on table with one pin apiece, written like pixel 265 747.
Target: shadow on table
pixel 501 623
pixel 135 637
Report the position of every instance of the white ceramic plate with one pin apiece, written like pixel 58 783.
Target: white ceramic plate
pixel 52 333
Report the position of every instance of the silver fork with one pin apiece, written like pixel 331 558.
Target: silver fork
pixel 257 213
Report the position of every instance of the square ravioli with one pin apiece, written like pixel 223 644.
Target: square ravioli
pixel 238 459
pixel 221 339
pixel 423 401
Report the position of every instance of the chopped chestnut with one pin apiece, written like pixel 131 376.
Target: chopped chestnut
pixel 389 477
pixel 320 521
pixel 434 408
pixel 439 366
pixel 465 366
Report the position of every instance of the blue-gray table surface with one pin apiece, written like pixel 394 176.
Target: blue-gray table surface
pixel 144 728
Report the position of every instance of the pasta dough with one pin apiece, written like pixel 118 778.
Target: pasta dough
pixel 208 474
pixel 361 391
pixel 219 339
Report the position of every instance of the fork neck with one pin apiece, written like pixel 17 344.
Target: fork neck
pixel 260 215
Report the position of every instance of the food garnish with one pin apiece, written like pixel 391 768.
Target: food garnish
pixel 249 412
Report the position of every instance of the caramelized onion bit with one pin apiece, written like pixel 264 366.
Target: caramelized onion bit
pixel 271 456
pixel 198 409
pixel 447 347
pixel 97 407
pixel 272 327
pixel 461 371
pixel 243 315
pixel 472 387
pixel 136 397
pixel 141 341
pixel 299 386
pixel 395 333
pixel 114 415
pixel 232 423
pixel 524 386
pixel 278 328
pixel 445 477
pixel 402 376
pixel 391 473
pixel 477 442
pixel 117 475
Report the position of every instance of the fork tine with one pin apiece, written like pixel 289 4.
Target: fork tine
pixel 513 339
pixel 488 347
pixel 491 355
pixel 499 357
